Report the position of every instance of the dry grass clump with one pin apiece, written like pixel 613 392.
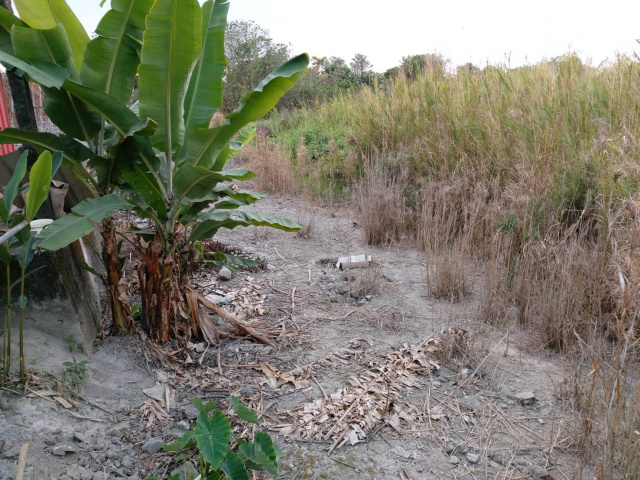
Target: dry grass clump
pixel 461 211
pixel 449 276
pixel 364 282
pixel 308 223
pixel 274 172
pixel 380 200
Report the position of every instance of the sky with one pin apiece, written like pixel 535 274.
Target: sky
pixel 506 32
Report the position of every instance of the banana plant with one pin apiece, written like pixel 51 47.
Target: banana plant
pixel 19 239
pixel 158 156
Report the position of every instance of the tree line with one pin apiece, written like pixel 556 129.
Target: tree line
pixel 252 54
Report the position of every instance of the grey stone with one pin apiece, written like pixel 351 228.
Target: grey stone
pixel 538 473
pixel 119 428
pixel 79 437
pixel 5 444
pixel 183 426
pixel 126 462
pixel 100 476
pixel 98 457
pixel 190 412
pixel 62 448
pixel 449 445
pixel 152 446
pixel 111 454
pixel 526 398
pixel 246 390
pixel 224 274
pixel 215 298
pixel 454 460
pixel 398 450
pixel 473 457
pixel 133 477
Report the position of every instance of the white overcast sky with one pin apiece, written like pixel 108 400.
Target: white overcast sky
pixel 478 31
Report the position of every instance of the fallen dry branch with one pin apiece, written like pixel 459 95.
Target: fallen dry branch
pixel 228 317
pixel 374 397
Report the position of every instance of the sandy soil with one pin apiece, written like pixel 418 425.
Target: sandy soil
pixel 468 418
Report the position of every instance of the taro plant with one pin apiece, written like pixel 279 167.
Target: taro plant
pixel 157 157
pixel 219 453
pixel 18 240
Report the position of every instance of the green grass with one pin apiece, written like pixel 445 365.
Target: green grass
pixel 559 123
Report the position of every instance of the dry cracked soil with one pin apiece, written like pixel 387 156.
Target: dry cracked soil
pixel 361 383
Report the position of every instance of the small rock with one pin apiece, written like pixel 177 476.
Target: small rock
pixel 398 450
pixel 526 398
pixel 449 445
pixel 215 298
pixel 5 444
pixel 61 449
pixel 454 460
pixel 224 274
pixel 246 390
pixel 126 462
pixel 100 476
pixel 473 457
pixel 190 412
pixel 119 428
pixel 152 446
pixel 133 477
pixel 538 473
pixel 436 384
pixel 78 437
pixel 183 426
pixel 111 454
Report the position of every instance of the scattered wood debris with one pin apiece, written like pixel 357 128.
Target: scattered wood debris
pixel 374 397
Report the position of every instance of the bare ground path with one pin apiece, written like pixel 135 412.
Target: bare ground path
pixel 353 343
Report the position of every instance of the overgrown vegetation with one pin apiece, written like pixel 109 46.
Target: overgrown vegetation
pixel 17 244
pixel 532 172
pixel 159 157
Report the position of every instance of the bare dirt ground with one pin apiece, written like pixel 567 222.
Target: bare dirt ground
pixel 359 358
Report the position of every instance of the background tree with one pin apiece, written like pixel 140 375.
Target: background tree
pixel 360 66
pixel 251 55
pixel 433 63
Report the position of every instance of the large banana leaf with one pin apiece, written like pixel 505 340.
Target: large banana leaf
pixel 205 146
pixel 204 96
pixel 45 73
pixel 194 182
pixel 82 221
pixel 213 221
pixel 73 151
pixel 52 45
pixel 46 14
pixel 7 21
pixel 116 113
pixel 39 182
pixel 112 58
pixel 123 120
pixel 172 42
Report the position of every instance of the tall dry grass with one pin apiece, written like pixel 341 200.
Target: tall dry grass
pixel 535 173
